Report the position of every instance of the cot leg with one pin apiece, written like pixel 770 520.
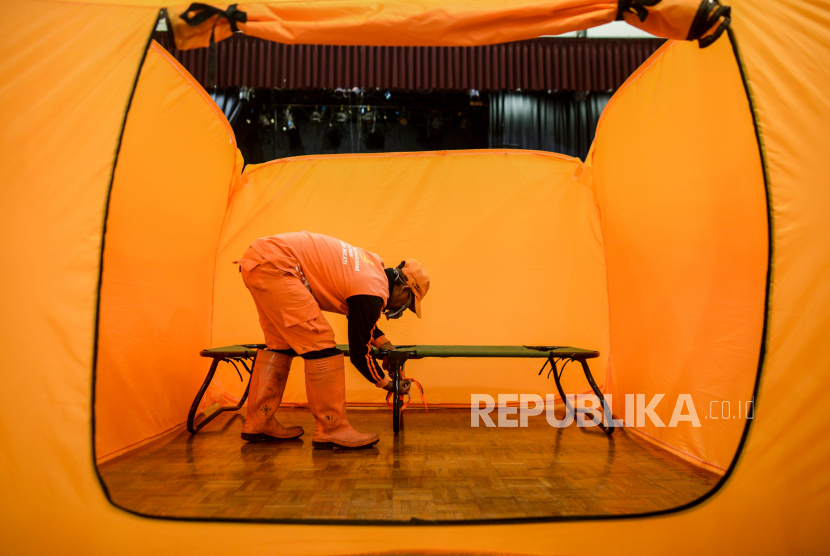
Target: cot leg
pixel 191 415
pixel 194 407
pixel 396 398
pixel 398 386
pixel 556 376
pixel 603 404
pixel 606 411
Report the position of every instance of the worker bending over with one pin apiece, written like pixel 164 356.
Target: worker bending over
pixel 293 277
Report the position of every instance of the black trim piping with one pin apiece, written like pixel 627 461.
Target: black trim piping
pixel 509 521
pixel 101 262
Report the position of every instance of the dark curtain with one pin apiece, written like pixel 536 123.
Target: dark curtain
pixel 263 132
pixel 563 122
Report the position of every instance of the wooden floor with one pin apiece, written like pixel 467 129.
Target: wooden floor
pixel 439 468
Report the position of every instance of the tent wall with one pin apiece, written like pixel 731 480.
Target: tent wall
pixel 511 240
pixel 680 189
pixel 783 468
pixel 67 71
pixel 168 200
pixel 66 75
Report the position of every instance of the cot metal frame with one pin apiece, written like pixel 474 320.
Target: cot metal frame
pixel 232 354
pixel 557 357
pixel 553 355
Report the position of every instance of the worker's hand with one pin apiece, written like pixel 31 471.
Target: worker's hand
pixel 387 364
pixel 406 384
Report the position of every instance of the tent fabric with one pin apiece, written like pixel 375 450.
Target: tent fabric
pixel 433 22
pixel 159 261
pixel 685 243
pixel 66 73
pixel 429 206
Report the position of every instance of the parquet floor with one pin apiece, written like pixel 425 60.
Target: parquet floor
pixel 439 468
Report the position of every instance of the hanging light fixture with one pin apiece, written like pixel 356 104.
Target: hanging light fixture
pixel 342 117
pixel 289 120
pixel 294 140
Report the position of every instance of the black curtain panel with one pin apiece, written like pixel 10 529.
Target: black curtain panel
pixel 559 122
pixel 276 124
pixel 272 124
pixel 266 137
pixel 229 101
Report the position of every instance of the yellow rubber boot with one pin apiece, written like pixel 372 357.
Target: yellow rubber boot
pixel 325 385
pixel 268 380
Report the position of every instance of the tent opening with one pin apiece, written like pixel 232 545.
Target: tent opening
pixel 652 252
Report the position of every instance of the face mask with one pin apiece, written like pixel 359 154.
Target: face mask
pixel 396 314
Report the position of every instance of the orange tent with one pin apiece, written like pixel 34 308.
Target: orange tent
pixel 694 232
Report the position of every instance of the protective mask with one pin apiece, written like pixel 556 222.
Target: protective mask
pixel 396 314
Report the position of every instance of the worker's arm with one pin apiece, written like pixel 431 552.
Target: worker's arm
pixel 364 312
pixel 379 339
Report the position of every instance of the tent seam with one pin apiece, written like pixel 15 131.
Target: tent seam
pixel 108 199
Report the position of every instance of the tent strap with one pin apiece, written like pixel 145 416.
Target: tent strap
pixel 708 14
pixel 637 7
pixel 198 13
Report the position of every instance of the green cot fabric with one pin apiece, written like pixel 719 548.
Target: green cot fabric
pixel 495 351
pixel 436 351
pixel 231 352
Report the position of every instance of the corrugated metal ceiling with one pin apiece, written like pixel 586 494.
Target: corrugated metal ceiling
pixel 563 64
